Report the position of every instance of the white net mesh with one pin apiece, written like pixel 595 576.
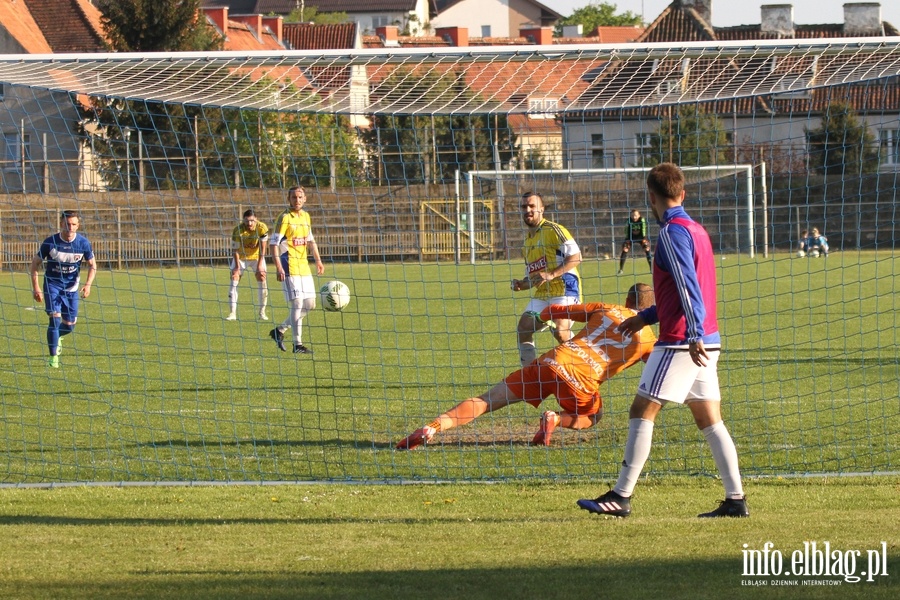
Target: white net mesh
pixel 162 155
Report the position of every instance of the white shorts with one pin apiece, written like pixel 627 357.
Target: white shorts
pixel 671 376
pixel 248 264
pixel 537 305
pixel 298 287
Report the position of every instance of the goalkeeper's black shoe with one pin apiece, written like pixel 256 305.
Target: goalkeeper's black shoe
pixel 278 336
pixel 301 349
pixel 609 504
pixel 729 507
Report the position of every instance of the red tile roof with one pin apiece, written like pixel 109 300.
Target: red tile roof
pixel 311 36
pixel 283 7
pixel 241 36
pixel 21 26
pixel 612 35
pixel 68 25
pixel 677 23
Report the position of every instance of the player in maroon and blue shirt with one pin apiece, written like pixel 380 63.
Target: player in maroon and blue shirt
pixel 682 366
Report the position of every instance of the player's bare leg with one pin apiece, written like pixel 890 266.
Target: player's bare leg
pixel 551 420
pixel 263 294
pixel 461 414
pixel 528 325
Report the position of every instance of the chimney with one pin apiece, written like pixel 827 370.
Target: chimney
pixel 276 24
pixel 863 18
pixel 455 36
pixel 573 31
pixel 703 8
pixel 539 36
pixel 777 20
pixel 219 16
pixel 254 22
pixel 389 34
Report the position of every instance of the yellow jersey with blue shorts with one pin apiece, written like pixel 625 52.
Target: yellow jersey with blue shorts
pixel 291 234
pixel 546 248
pixel 248 241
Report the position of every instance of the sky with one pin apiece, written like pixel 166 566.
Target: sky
pixel 739 12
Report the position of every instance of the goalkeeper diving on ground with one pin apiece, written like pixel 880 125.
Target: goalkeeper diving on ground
pixel 573 371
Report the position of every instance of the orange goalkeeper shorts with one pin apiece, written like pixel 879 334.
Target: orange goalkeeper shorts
pixel 536 381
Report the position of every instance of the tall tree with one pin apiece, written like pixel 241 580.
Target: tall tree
pixel 842 144
pixel 245 148
pixel 597 14
pixel 416 148
pixel 157 26
pixel 311 14
pixel 689 136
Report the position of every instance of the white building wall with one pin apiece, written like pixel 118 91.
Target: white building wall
pixel 416 20
pixel 474 14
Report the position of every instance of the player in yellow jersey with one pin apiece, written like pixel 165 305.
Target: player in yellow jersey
pixel 551 259
pixel 573 371
pixel 248 241
pixel 292 243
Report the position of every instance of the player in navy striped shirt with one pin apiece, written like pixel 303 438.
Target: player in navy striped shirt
pixel 682 366
pixel 62 255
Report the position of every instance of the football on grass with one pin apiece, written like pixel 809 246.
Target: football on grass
pixel 334 295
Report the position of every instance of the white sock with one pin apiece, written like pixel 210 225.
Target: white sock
pixel 297 315
pixel 725 455
pixel 637 451
pixel 233 295
pixel 527 352
pixel 263 296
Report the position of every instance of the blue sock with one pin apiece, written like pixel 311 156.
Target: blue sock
pixel 66 328
pixel 53 335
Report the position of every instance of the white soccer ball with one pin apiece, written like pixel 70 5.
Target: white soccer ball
pixel 334 295
pixel 800 253
pixel 814 253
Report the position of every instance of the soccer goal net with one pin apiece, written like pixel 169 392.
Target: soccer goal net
pixel 413 162
pixel 598 202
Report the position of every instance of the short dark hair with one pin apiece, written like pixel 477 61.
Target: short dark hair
pixel 249 213
pixel 296 187
pixel 527 195
pixel 641 296
pixel 666 180
pixel 70 213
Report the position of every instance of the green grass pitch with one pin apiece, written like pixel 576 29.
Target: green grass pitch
pixel 156 386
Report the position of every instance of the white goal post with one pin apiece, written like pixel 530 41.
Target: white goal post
pixel 692 174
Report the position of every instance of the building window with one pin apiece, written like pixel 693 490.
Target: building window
pixel 597 159
pixel 890 146
pixel 669 87
pixel 13 156
pixel 644 149
pixel 542 108
pixel 485 31
pixel 380 21
pixel 2 90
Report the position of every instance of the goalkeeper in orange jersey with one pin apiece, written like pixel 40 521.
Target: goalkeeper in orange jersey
pixel 573 371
